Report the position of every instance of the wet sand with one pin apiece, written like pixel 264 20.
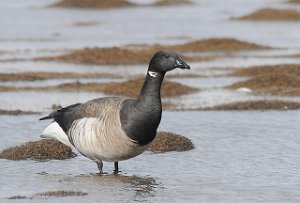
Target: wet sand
pixel 269 14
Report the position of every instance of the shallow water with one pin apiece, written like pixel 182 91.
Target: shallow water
pixel 239 156
pixel 55 82
pixel 42 101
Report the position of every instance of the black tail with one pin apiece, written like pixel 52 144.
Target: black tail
pixel 59 112
pixel 46 117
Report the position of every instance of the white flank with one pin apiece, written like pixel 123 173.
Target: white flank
pixel 54 131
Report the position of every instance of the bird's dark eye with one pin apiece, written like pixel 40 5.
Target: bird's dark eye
pixel 167 55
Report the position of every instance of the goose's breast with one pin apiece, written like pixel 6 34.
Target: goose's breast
pixel 98 139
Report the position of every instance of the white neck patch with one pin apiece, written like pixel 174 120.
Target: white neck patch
pixel 153 74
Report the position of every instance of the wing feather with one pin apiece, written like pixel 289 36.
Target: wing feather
pixel 91 109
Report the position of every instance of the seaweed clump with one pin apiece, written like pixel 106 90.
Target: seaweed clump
pixel 168 141
pixel 275 84
pixel 293 69
pixel 101 56
pixel 216 44
pixel 16 112
pixel 132 88
pixel 140 54
pixel 34 76
pixel 256 105
pixel 93 4
pixel 129 88
pixel 108 4
pixel 281 80
pixel 44 149
pixel 62 193
pixel 59 193
pixel 269 14
pixel 171 2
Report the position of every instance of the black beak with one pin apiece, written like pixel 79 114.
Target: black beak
pixel 181 64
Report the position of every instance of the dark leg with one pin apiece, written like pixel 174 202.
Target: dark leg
pixel 100 166
pixel 116 167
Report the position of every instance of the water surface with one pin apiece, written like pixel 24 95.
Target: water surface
pixel 239 156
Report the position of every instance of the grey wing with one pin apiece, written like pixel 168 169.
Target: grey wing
pixel 93 108
pixel 58 115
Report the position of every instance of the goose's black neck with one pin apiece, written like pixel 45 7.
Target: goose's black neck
pixel 140 118
pixel 150 93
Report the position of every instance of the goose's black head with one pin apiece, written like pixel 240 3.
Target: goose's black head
pixel 164 61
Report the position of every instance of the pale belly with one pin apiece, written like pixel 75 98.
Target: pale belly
pixel 103 144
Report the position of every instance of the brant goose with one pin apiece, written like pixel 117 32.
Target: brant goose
pixel 114 128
